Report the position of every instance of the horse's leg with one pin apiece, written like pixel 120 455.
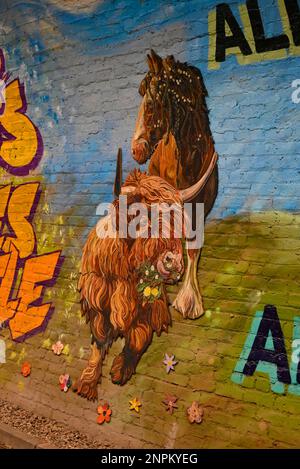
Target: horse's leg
pixel 137 340
pixel 189 300
pixel 86 385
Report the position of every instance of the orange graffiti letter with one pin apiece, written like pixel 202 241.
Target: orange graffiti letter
pixel 8 265
pixel 29 317
pixel 20 206
pixel 4 195
pixel 22 145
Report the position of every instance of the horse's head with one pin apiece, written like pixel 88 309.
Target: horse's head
pixel 171 92
pixel 151 124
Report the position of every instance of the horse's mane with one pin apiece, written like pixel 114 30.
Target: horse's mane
pixel 182 94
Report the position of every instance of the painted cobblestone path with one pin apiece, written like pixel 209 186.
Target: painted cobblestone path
pixel 247 262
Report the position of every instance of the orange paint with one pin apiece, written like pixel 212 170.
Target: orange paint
pixel 19 208
pixel 23 273
pixel 8 266
pixel 21 147
pixel 28 318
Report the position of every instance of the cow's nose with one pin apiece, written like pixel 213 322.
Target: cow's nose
pixel 169 260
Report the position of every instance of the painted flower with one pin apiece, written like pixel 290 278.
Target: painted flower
pixel 26 369
pixel 104 413
pixel 195 413
pixel 58 347
pixel 135 404
pixel 169 362
pixel 147 292
pixel 65 382
pixel 170 403
pixel 147 272
pixel 152 268
pixel 155 292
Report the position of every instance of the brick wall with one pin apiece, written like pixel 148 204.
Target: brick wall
pixel 81 65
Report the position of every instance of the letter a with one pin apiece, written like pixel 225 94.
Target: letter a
pixel 265 351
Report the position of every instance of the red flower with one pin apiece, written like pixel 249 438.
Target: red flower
pixel 26 369
pixel 104 413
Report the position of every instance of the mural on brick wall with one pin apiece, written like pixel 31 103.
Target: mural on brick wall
pixel 172 130
pixel 122 285
pixel 216 344
pixel 118 297
pixel 23 273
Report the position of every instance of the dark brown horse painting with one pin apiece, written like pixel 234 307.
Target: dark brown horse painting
pixel 172 130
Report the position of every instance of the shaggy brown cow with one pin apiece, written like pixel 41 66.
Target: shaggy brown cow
pixel 122 288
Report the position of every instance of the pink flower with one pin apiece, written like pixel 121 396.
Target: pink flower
pixel 195 413
pixel 170 403
pixel 58 347
pixel 169 362
pixel 65 382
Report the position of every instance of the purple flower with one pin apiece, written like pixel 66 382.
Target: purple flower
pixel 169 362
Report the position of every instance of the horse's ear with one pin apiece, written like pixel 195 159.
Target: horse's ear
pixel 156 61
pixel 150 64
pixel 169 61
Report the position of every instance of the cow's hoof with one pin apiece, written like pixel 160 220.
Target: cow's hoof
pixel 85 389
pixel 122 369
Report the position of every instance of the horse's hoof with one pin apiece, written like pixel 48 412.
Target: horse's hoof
pixel 189 303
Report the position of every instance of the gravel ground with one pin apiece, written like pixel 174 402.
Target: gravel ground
pixel 47 430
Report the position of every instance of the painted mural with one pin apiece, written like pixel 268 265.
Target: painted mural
pixel 205 340
pixel 23 273
pixel 173 129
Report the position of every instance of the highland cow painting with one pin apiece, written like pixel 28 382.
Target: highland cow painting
pixel 149 229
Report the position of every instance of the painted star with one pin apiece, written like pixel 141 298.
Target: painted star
pixel 135 404
pixel 169 362
pixel 170 403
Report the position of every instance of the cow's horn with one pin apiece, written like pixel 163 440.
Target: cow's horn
pixel 126 190
pixel 118 177
pixel 191 192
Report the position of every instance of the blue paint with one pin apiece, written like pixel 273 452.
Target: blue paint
pixel 294 388
pixel 253 119
pixel 269 368
pixel 277 387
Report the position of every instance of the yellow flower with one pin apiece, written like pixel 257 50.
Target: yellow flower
pixel 135 404
pixel 155 292
pixel 147 292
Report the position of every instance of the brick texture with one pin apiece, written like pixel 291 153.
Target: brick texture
pixel 82 63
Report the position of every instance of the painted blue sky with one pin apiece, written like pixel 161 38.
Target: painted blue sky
pixel 82 66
